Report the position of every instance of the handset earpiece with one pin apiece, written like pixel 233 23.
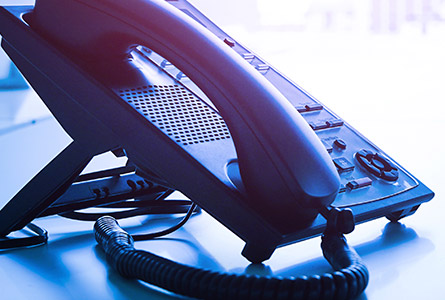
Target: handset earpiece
pixel 278 153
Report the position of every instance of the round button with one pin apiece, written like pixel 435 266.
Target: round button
pixel 340 144
pixel 377 165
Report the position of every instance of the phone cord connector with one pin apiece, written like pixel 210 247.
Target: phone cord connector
pixel 347 282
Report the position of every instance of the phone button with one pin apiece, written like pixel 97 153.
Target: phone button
pixel 313 107
pixel 359 183
pixel 343 164
pixel 229 42
pixel 339 143
pixel 318 125
pixel 248 57
pixel 262 68
pixel 300 108
pixel 335 123
pixel 377 165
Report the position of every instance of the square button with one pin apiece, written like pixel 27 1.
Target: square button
pixel 343 164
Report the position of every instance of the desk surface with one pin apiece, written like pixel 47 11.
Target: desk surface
pixel 380 68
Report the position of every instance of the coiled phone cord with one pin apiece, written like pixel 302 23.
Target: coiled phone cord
pixel 348 281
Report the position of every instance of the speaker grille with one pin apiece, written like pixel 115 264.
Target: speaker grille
pixel 178 113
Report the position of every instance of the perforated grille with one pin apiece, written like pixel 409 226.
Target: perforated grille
pixel 178 113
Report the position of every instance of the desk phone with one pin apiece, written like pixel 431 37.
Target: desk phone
pixel 195 111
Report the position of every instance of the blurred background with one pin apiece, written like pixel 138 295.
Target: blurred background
pixel 366 60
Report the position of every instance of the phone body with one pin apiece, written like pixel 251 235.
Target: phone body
pixel 231 159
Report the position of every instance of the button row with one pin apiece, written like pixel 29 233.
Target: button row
pixel 326 124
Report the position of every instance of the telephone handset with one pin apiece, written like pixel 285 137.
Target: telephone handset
pixel 270 136
pixel 265 169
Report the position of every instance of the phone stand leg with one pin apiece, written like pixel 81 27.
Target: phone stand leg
pixel 395 216
pixel 48 185
pixel 257 253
